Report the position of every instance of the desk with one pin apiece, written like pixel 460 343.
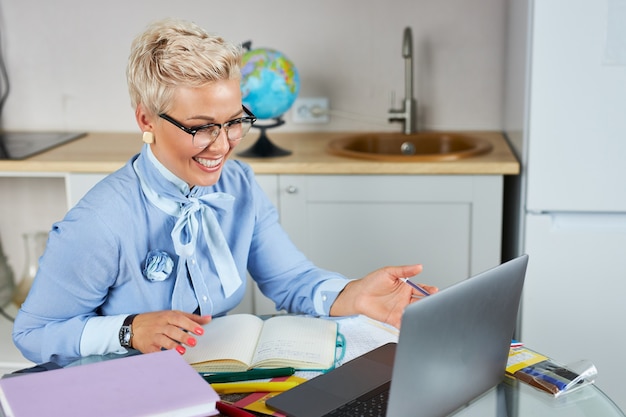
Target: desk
pixel 520 400
pixel 514 399
pixel 509 399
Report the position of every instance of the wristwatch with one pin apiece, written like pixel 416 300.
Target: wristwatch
pixel 126 332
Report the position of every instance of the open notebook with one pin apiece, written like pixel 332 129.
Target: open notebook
pixel 453 346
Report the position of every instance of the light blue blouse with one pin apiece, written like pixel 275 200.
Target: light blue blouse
pixel 92 273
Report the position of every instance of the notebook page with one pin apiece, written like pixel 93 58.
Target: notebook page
pixel 363 334
pixel 231 337
pixel 304 340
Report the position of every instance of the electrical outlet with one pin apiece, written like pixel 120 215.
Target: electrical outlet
pixel 310 110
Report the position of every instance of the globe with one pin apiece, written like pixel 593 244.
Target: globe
pixel 269 82
pixel 269 85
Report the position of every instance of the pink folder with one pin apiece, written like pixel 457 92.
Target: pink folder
pixel 153 384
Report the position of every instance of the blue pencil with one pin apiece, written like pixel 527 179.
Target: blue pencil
pixel 417 287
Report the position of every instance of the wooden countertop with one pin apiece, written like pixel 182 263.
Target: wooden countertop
pixel 107 152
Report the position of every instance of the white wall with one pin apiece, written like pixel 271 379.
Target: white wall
pixel 66 58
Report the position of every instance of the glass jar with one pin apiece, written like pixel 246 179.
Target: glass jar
pixel 34 244
pixel 7 283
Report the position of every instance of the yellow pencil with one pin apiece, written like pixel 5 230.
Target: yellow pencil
pixel 243 387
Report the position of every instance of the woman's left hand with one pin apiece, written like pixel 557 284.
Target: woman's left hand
pixel 168 329
pixel 381 295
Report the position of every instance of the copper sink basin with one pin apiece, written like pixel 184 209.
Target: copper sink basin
pixel 417 147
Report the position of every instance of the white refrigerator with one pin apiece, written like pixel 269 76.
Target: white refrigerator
pixel 566 117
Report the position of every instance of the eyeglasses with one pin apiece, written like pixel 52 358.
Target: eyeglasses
pixel 203 136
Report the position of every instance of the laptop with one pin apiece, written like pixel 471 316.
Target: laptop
pixel 453 347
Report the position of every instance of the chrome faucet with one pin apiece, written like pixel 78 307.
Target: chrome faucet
pixel 408 114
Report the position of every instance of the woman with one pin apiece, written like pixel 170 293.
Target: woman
pixel 159 247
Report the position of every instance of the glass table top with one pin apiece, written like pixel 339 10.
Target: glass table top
pixel 513 398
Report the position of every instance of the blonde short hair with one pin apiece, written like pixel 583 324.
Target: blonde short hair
pixel 174 53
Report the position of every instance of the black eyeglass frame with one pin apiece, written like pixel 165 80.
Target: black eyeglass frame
pixel 195 129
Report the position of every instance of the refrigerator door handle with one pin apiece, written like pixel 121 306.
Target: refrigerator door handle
pixel 580 221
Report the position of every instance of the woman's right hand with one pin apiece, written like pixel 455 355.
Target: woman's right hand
pixel 167 329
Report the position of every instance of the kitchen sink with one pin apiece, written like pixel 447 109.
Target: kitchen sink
pixel 416 147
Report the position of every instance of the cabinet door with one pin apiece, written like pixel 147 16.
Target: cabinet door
pixel 356 224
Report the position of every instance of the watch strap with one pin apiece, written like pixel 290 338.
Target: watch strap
pixel 126 331
pixel 129 320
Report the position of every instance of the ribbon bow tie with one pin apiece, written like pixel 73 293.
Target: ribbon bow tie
pixel 185 233
pixel 194 213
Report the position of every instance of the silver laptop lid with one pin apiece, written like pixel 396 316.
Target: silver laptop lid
pixel 454 345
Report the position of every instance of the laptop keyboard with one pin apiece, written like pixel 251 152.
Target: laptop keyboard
pixel 374 406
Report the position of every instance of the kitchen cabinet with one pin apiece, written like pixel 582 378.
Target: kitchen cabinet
pixel 354 224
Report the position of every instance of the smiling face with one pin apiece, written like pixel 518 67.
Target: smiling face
pixel 216 102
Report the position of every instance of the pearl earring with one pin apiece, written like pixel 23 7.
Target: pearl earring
pixel 148 137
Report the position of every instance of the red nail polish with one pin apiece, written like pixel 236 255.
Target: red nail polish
pixel 198 330
pixel 180 349
pixel 191 341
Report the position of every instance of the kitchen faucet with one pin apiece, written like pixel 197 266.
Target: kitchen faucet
pixel 408 114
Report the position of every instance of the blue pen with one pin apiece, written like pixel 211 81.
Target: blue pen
pixel 543 376
pixel 417 287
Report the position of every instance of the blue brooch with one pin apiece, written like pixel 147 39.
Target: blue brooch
pixel 158 265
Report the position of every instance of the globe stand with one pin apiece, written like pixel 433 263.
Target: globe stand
pixel 263 147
